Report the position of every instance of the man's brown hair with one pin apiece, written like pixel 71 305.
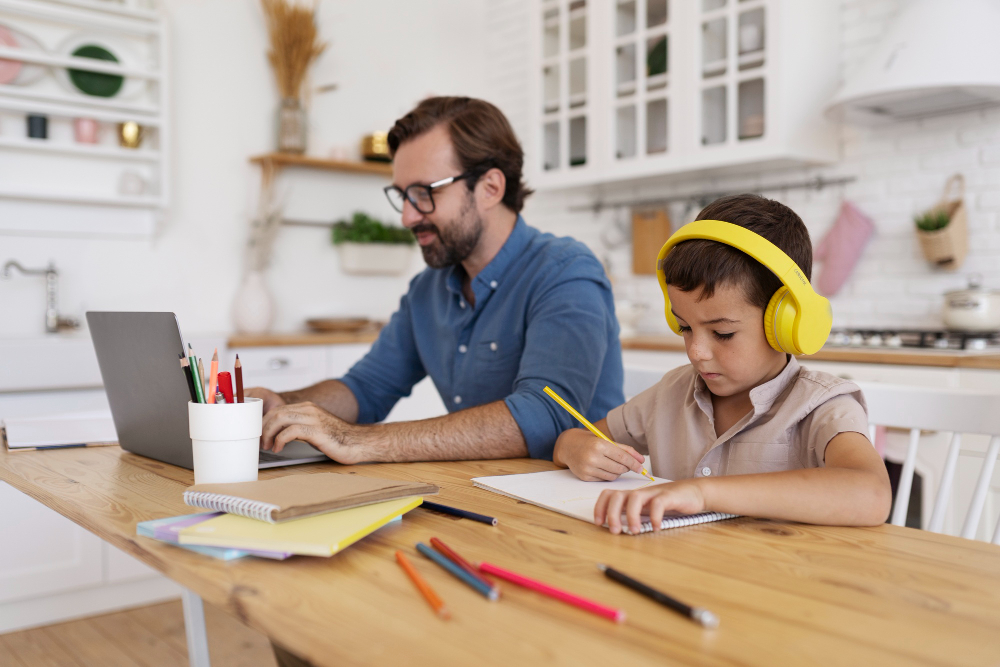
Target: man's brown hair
pixel 707 264
pixel 481 136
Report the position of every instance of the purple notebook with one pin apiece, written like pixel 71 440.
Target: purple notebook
pixel 166 530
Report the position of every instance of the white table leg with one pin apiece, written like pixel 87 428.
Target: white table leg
pixel 194 628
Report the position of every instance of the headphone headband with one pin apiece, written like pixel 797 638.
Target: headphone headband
pixel 813 317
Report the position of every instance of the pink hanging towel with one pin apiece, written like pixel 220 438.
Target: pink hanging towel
pixel 841 248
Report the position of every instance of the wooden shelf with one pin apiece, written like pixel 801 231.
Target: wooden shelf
pixel 280 160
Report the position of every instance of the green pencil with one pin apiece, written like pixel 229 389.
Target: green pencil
pixel 199 392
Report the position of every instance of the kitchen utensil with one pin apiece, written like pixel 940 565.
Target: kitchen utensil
pixel 104 48
pixel 15 72
pixel 85 130
pixel 375 146
pixel 341 324
pixel 976 308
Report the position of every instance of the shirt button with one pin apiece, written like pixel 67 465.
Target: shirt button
pixel 457 399
pixel 493 284
pixel 706 471
pixel 462 304
pixel 493 346
pixel 463 349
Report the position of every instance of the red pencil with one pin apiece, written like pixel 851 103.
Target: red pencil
pixel 239 380
pixel 461 562
pixel 226 386
pixel 617 615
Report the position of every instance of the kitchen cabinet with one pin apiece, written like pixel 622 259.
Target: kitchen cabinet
pixel 628 89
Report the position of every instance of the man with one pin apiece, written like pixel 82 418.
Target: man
pixel 501 311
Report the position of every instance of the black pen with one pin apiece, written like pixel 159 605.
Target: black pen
pixel 454 511
pixel 696 614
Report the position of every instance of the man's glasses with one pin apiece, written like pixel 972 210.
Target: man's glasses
pixel 419 195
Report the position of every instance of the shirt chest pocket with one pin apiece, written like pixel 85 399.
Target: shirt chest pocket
pixel 493 368
pixel 748 457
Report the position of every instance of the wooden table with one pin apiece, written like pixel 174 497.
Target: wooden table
pixel 785 593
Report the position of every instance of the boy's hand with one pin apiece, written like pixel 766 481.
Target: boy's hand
pixel 684 497
pixel 593 459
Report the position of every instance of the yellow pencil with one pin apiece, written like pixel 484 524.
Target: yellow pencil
pixel 583 420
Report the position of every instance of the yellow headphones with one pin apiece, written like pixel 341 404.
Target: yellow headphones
pixel 797 320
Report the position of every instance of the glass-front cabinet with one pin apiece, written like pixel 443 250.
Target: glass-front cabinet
pixel 635 88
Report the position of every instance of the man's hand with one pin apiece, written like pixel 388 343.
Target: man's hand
pixel 271 399
pixel 312 424
pixel 685 497
pixel 593 459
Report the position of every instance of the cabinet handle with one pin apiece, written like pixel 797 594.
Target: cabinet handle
pixel 278 363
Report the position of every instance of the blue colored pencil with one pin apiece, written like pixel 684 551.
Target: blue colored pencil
pixel 454 511
pixel 489 592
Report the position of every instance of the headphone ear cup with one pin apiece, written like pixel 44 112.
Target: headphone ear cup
pixel 671 320
pixel 779 322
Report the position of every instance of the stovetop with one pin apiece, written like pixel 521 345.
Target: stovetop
pixel 937 339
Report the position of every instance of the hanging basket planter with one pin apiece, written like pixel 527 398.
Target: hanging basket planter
pixel 943 230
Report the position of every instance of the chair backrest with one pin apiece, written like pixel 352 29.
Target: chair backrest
pixel 956 411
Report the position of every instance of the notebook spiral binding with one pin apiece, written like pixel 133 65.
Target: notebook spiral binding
pixel 679 521
pixel 253 509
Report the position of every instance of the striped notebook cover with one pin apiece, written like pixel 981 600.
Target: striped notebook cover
pixel 562 491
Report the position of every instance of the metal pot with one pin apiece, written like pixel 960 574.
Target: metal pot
pixel 974 309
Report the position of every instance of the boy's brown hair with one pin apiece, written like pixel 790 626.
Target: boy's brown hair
pixel 481 136
pixel 707 264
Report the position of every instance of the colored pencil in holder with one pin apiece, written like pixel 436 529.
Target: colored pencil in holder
pixel 487 591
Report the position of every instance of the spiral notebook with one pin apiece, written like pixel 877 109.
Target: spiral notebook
pixel 562 491
pixel 298 496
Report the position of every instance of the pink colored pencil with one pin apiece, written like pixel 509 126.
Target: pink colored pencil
pixel 617 615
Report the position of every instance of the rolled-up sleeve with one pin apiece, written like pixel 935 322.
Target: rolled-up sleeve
pixel 565 344
pixel 389 370
pixel 840 414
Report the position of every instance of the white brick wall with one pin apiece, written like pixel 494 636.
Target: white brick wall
pixel 900 170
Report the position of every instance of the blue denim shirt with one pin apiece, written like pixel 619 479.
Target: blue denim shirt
pixel 544 315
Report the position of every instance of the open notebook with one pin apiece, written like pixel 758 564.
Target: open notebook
pixel 562 491
pixel 84 429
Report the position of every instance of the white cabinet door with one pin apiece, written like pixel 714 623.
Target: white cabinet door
pixel 43 552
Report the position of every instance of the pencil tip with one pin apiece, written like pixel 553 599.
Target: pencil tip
pixel 215 355
pixel 602 567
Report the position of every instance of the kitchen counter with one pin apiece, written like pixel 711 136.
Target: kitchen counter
pixel 897 356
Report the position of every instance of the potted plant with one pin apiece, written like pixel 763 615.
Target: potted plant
pixel 942 230
pixel 370 247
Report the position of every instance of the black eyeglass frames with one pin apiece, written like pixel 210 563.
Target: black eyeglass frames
pixel 419 195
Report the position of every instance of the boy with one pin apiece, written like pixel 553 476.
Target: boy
pixel 744 429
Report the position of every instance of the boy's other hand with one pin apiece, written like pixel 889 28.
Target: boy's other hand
pixel 593 459
pixel 684 497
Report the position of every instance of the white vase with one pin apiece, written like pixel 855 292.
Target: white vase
pixel 253 307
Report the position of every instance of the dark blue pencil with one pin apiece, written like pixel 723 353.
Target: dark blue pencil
pixel 489 592
pixel 454 511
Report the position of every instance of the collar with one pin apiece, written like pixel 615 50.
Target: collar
pixel 492 275
pixel 762 397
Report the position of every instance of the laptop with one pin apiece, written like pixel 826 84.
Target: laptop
pixel 148 393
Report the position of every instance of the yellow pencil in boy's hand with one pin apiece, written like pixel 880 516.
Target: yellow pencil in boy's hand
pixel 583 420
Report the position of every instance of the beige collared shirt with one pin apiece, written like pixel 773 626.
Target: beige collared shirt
pixel 794 417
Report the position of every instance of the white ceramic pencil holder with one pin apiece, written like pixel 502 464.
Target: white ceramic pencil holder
pixel 226 440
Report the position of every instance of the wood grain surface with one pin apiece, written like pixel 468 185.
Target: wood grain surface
pixel 785 593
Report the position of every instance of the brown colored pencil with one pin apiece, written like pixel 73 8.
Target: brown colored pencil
pixel 239 380
pixel 203 378
pixel 423 586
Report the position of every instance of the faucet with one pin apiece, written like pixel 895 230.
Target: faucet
pixel 54 323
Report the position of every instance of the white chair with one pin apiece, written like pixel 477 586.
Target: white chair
pixel 955 411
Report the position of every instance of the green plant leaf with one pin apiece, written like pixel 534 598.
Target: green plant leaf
pixel 365 229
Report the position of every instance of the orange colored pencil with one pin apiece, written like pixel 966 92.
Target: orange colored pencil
pixel 213 377
pixel 423 586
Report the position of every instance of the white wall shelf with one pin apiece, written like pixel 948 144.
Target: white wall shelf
pixel 89 150
pixel 63 184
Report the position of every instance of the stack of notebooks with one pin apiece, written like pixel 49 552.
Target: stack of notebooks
pixel 312 515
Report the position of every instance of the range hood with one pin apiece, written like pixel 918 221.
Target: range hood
pixel 937 57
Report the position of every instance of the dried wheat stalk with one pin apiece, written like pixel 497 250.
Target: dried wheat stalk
pixel 294 43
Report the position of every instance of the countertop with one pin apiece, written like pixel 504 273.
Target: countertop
pixel 659 343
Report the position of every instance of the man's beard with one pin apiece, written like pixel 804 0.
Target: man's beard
pixel 454 244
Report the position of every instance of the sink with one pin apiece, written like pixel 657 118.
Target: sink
pixel 54 362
